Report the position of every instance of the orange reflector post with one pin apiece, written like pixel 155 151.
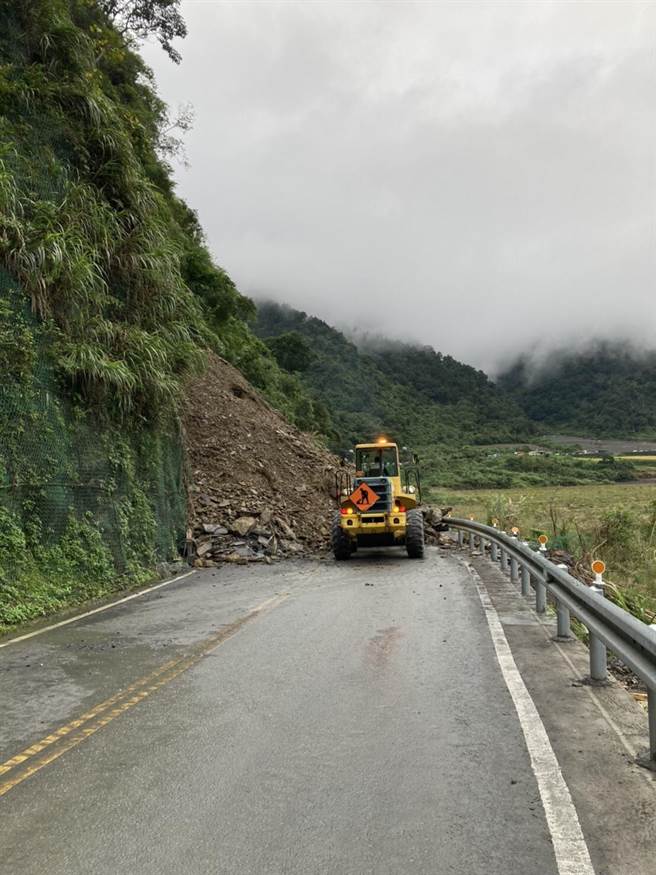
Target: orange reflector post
pixel 598 566
pixel 543 539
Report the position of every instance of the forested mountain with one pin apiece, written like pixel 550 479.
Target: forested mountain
pixel 413 392
pixel 606 392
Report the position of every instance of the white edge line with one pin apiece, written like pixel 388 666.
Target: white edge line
pixel 570 848
pixel 127 598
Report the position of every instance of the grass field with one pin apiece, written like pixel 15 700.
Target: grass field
pixel 584 505
pixel 638 459
pixel 614 522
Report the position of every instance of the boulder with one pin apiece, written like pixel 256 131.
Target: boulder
pixel 243 525
pixel 214 529
pixel 203 549
pixel 285 528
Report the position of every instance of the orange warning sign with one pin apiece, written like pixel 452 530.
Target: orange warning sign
pixel 363 497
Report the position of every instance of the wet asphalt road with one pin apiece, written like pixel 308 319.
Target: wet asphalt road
pixel 357 724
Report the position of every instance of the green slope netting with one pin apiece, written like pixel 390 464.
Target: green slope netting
pixel 67 480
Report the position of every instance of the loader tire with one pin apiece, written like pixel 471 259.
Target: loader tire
pixel 340 541
pixel 414 534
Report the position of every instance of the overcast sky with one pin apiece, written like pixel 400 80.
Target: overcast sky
pixel 476 176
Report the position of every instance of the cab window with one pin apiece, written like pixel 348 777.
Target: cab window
pixel 376 462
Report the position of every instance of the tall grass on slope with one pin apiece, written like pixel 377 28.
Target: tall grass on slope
pixel 88 235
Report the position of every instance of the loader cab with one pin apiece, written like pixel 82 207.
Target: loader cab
pixel 377 460
pixel 377 464
pixel 400 472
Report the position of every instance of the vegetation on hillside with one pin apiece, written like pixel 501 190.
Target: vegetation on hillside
pixel 91 226
pixel 414 393
pixel 490 468
pixel 448 411
pixel 605 391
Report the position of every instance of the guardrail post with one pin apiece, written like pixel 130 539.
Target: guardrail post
pixel 461 537
pixel 526 581
pixel 598 656
pixel 651 710
pixel 598 670
pixel 504 560
pixel 494 551
pixel 562 614
pixel 472 542
pixel 540 594
pixel 564 621
pixel 514 563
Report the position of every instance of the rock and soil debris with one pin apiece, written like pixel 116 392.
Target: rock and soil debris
pixel 259 488
pixel 435 523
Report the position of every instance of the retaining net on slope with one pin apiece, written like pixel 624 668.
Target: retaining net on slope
pixel 68 479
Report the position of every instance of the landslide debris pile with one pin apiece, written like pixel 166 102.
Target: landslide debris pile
pixel 260 489
pixel 435 524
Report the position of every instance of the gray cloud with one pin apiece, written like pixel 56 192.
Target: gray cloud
pixel 478 177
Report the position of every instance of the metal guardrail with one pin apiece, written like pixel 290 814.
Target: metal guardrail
pixel 609 626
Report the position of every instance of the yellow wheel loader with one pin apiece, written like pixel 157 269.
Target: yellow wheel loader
pixel 379 506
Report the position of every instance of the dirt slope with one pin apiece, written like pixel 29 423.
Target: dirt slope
pixel 259 487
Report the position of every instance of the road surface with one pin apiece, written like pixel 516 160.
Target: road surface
pixel 313 717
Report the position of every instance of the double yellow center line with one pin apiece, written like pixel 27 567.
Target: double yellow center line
pixel 26 763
